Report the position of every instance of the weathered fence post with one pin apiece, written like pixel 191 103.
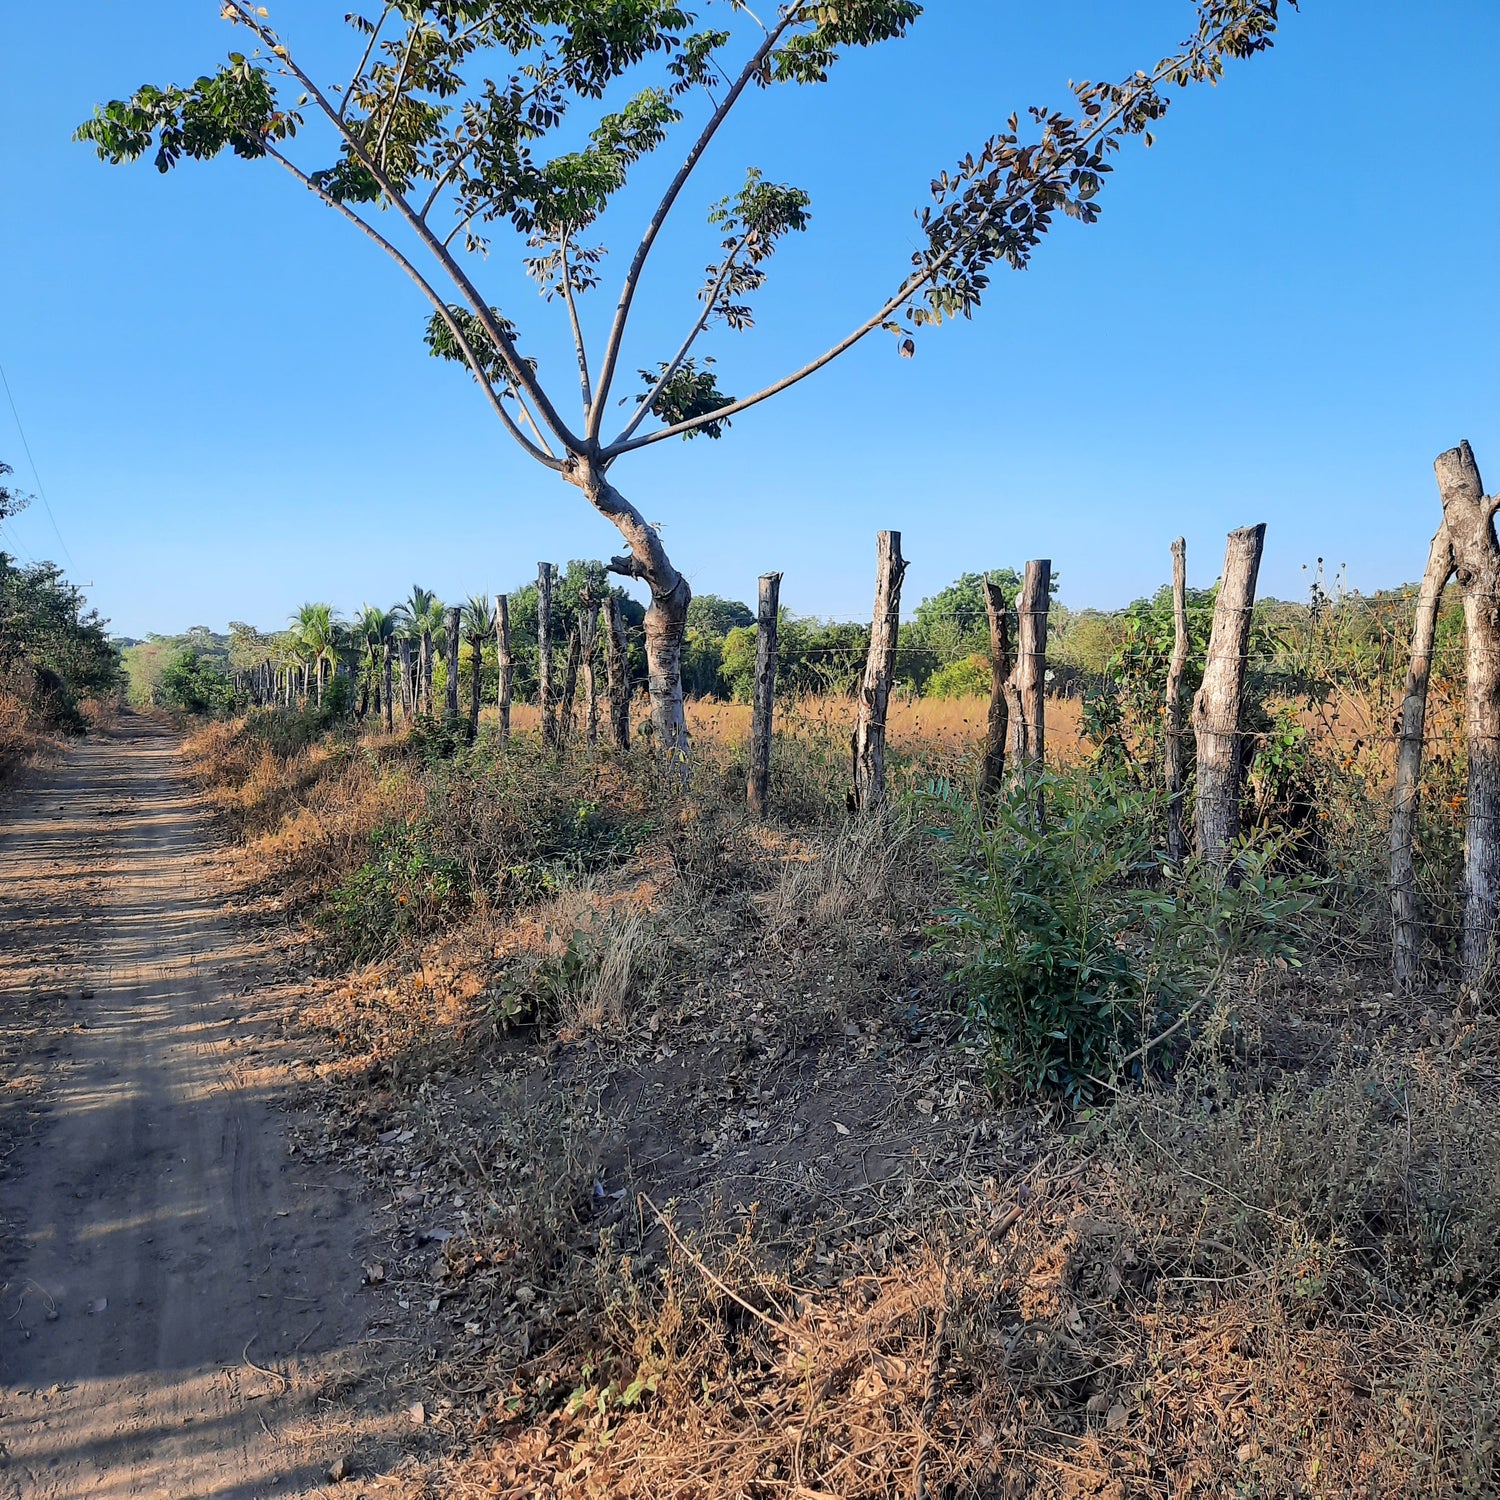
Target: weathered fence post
pixel 1176 833
pixel 1218 708
pixel 387 684
pixel 505 666
pixel 408 687
pixel 1030 676
pixel 570 687
pixel 617 670
pixel 545 573
pixel 1469 519
pixel 452 622
pixel 588 637
pixel 762 716
pixel 476 674
pixel 880 673
pixel 992 777
pixel 1406 931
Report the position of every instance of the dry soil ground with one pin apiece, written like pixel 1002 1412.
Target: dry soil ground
pixel 181 1296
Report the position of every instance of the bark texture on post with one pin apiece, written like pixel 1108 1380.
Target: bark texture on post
pixel 588 639
pixel 545 573
pixel 1176 832
pixel 570 688
pixel 476 681
pixel 386 685
pixel 1406 930
pixel 617 673
pixel 452 623
pixel 763 715
pixel 1030 675
pixel 1218 708
pixel 427 659
pixel 408 686
pixel 1469 519
pixel 992 777
pixel 880 673
pixel 506 666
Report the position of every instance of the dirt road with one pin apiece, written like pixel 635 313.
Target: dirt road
pixel 180 1295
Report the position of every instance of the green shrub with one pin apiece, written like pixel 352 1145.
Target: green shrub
pixel 1075 953
pixel 966 678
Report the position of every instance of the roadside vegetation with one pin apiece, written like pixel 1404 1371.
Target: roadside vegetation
pixel 944 1150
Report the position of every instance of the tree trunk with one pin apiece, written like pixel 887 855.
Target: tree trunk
pixel 452 621
pixel 1218 709
pixel 427 655
pixel 476 682
pixel 1030 676
pixel 545 573
pixel 1176 832
pixel 506 666
pixel 880 673
pixel 1469 521
pixel 617 671
pixel 386 684
pixel 408 687
pixel 768 617
pixel 1406 930
pixel 588 636
pixel 666 616
pixel 992 776
pixel 570 689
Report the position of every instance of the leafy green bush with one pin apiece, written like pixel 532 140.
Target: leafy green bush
pixel 194 684
pixel 1076 958
pixel 967 678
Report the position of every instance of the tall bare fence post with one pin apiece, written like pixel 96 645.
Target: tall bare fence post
pixel 767 617
pixel 545 573
pixel 1030 677
pixel 386 686
pixel 1406 929
pixel 617 671
pixel 1218 710
pixel 403 651
pixel 505 664
pixel 565 718
pixel 588 636
pixel 452 623
pixel 992 777
pixel 1469 519
pixel 1176 787
pixel 880 674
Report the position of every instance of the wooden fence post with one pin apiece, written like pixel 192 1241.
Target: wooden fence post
pixel 1469 520
pixel 545 573
pixel 992 777
pixel 1406 930
pixel 505 666
pixel 387 684
pixel 1030 676
pixel 880 672
pixel 588 639
pixel 1218 710
pixel 617 670
pixel 452 623
pixel 403 651
pixel 761 720
pixel 1176 833
pixel 570 687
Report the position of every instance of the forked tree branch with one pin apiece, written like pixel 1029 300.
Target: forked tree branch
pixel 578 344
pixel 543 454
pixel 752 70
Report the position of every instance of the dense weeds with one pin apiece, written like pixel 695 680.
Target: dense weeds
pixel 740 1191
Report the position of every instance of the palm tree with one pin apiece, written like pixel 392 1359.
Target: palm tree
pixel 320 634
pixel 374 630
pixel 479 627
pixel 422 611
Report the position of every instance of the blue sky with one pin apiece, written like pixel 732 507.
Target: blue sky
pixel 1289 307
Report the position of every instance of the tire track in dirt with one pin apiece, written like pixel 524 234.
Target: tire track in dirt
pixel 157 1241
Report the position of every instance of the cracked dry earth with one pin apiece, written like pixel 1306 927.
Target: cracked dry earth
pixel 180 1312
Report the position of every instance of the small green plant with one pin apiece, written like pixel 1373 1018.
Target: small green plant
pixel 1077 958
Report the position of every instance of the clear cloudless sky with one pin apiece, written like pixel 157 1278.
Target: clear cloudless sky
pixel 1289 307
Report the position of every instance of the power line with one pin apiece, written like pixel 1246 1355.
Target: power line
pixel 46 504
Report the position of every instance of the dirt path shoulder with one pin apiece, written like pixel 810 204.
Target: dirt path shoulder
pixel 180 1301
